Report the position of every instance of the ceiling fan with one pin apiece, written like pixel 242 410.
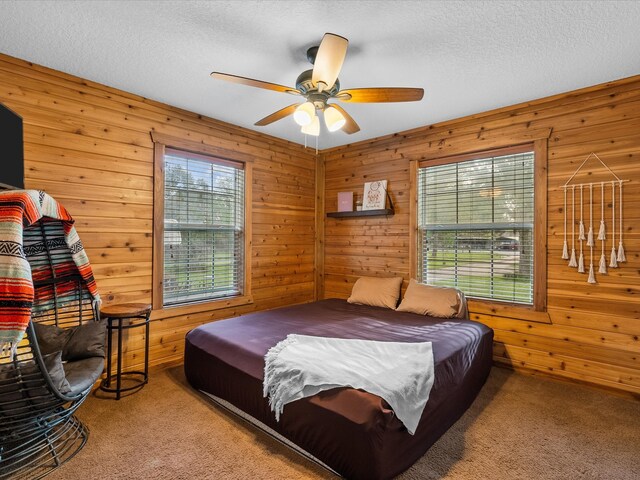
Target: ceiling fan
pixel 320 85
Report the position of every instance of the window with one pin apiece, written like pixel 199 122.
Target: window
pixel 200 239
pixel 476 225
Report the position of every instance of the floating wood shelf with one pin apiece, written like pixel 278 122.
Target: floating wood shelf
pixel 362 213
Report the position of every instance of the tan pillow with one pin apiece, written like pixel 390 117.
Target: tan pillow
pixel 376 292
pixel 428 300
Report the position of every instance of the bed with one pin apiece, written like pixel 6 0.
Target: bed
pixel 353 432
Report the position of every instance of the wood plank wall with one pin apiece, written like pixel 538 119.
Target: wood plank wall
pixel 592 331
pixel 89 146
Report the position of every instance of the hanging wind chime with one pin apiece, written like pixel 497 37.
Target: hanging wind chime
pixel 587 237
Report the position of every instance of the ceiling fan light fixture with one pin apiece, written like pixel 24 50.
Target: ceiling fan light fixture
pixel 312 128
pixel 333 119
pixel 304 114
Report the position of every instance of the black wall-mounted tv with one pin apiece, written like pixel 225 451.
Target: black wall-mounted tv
pixel 11 149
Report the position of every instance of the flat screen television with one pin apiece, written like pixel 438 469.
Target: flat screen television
pixel 11 148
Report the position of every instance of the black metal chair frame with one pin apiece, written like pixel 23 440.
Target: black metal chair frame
pixel 38 428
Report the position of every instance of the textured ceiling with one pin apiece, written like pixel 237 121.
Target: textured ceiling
pixel 469 56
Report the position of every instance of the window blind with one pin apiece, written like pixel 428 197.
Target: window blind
pixel 476 224
pixel 203 228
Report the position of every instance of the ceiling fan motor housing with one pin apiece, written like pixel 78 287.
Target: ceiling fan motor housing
pixel 310 91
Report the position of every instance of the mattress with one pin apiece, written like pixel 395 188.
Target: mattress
pixel 354 432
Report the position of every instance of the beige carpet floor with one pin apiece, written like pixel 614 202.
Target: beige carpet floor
pixel 520 427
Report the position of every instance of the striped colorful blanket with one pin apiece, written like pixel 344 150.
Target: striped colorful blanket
pixel 20 209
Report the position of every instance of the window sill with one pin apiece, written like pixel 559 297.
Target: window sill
pixel 508 310
pixel 187 309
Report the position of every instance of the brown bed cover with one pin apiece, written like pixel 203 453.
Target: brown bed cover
pixel 352 431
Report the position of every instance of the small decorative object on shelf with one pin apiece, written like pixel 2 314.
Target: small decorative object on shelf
pixel 345 201
pixel 375 195
pixel 361 212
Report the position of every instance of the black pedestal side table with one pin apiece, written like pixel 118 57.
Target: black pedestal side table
pixel 135 315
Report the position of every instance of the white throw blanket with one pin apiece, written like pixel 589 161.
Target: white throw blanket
pixel 302 366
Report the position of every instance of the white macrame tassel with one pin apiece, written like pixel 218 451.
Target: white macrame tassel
pixel 590 234
pixel 613 261
pixel 581 236
pixel 621 256
pixel 603 264
pixel 581 263
pixel 601 233
pixel 572 260
pixel 581 226
pixel 565 248
pixel 592 277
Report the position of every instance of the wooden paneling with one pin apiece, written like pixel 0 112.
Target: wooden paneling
pixel 89 146
pixel 589 332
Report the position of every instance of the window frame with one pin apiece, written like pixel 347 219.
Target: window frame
pixel 537 311
pixel 162 143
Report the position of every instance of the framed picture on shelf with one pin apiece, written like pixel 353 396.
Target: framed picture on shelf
pixel 345 201
pixel 375 195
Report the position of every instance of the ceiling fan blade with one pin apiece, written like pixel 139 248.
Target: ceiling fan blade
pixel 378 95
pixel 275 116
pixel 329 60
pixel 254 83
pixel 350 126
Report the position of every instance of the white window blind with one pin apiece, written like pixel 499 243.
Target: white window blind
pixel 475 222
pixel 203 228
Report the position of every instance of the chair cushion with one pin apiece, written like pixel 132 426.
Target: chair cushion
pixel 53 362
pixel 25 381
pixel 76 343
pixel 86 341
pixel 51 339
pixel 82 374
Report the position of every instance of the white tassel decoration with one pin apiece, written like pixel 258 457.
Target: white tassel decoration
pixel 565 250
pixel 581 263
pixel 592 277
pixel 581 225
pixel 601 233
pixel 572 261
pixel 613 262
pixel 603 264
pixel 590 242
pixel 621 255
